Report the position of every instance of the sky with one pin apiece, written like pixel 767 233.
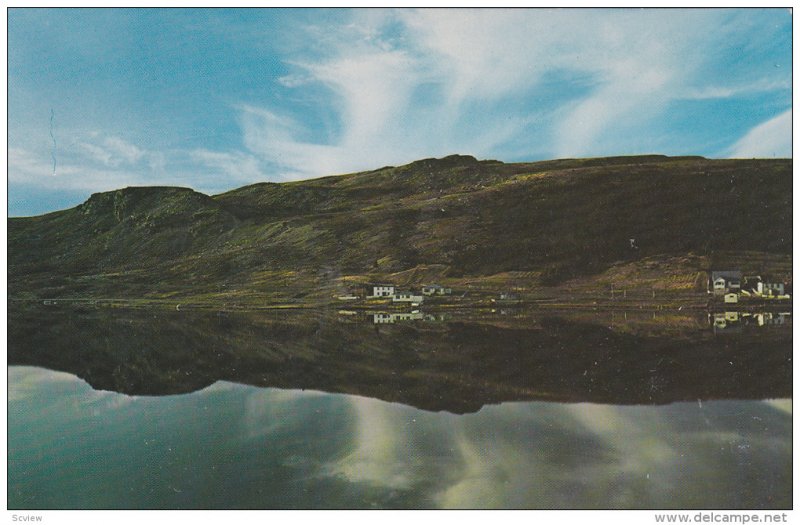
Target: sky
pixel 215 99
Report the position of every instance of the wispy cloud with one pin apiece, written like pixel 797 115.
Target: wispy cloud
pixel 112 151
pixel 413 83
pixel 93 163
pixel 717 92
pixel 772 138
pixel 89 162
pixel 357 89
pixel 234 166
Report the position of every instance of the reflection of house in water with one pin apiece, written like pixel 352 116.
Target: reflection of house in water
pixel 726 322
pixel 407 297
pixel 771 319
pixel 733 322
pixel 390 318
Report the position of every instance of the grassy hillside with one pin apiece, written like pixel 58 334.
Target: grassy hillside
pixel 545 222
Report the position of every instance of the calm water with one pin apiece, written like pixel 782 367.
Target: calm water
pixel 231 445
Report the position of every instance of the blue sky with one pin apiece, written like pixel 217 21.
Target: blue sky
pixel 217 99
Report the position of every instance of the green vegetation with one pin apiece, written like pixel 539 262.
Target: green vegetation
pixel 463 222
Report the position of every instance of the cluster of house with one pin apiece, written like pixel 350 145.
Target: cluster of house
pixel 729 322
pixel 389 291
pixel 731 285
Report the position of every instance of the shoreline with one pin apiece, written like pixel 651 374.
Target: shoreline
pixel 433 306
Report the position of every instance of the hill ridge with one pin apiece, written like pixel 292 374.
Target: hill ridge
pixel 550 220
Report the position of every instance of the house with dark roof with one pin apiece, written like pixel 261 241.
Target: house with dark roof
pixel 724 281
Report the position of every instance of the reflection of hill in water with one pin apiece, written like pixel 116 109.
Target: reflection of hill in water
pixel 457 366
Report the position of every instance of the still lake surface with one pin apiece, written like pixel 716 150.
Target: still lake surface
pixel 131 410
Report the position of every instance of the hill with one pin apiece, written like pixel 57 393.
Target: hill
pixel 456 219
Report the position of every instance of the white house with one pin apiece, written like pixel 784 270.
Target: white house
pixel 769 289
pixel 382 290
pixel 731 298
pixel 726 281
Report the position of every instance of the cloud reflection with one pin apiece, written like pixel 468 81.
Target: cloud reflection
pixel 270 448
pixel 384 451
pixel 523 455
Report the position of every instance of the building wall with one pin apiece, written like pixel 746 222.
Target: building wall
pixel 382 291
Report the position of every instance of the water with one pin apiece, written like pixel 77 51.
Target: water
pixel 211 411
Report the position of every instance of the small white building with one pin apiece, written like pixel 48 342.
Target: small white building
pixel 731 298
pixel 725 281
pixel 382 290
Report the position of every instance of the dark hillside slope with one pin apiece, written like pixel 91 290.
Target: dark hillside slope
pixel 456 366
pixel 126 228
pixel 555 219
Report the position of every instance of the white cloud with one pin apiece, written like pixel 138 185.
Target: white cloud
pixel 24 167
pixel 93 164
pixel 89 162
pixel 407 84
pixel 272 137
pixel 235 166
pixel 109 151
pixel 374 81
pixel 386 87
pixel 714 91
pixel 126 152
pixel 772 138
pixel 293 81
